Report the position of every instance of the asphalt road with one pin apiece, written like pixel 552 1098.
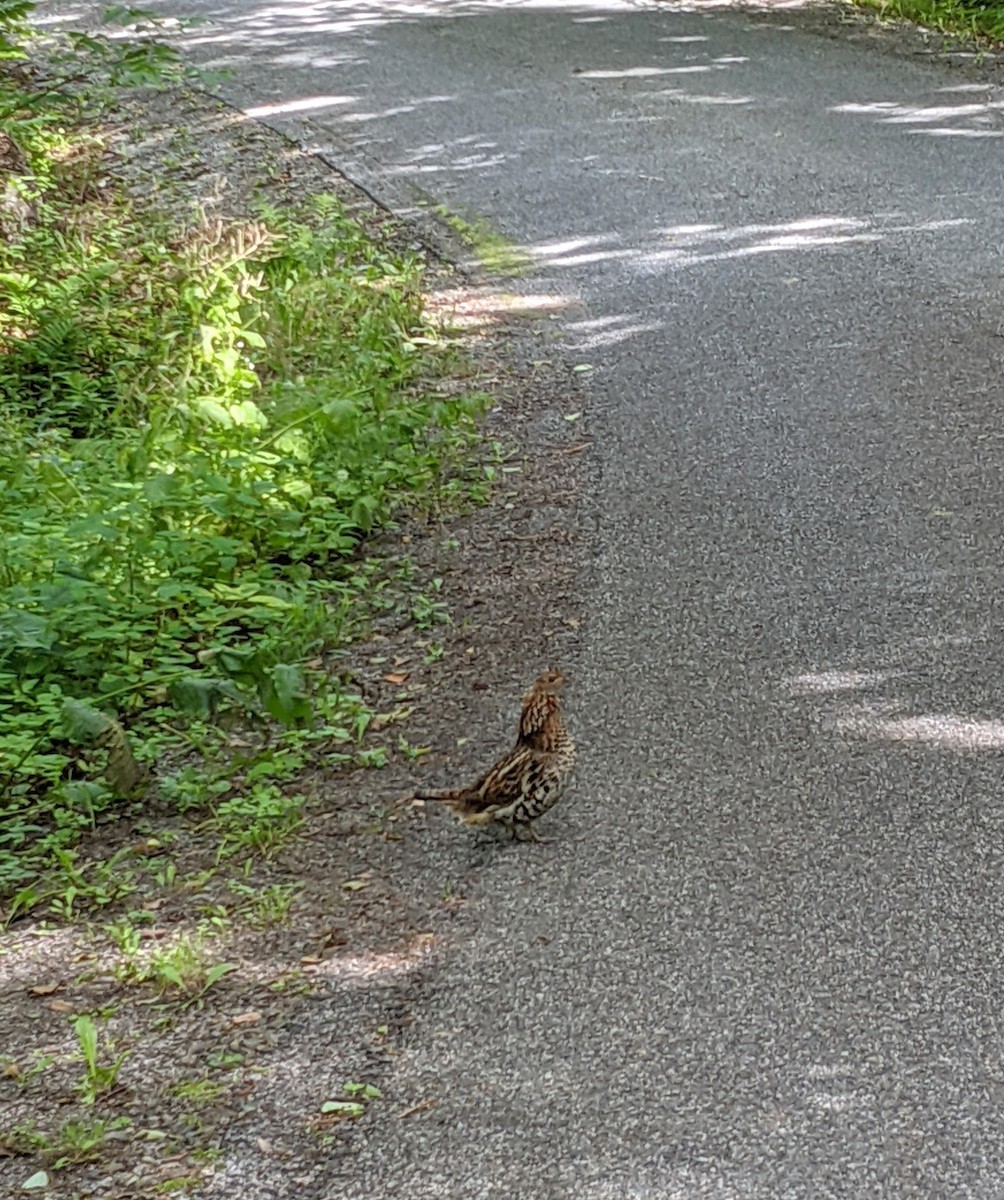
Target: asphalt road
pixel 765 955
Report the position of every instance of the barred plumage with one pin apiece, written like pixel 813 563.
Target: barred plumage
pixel 530 779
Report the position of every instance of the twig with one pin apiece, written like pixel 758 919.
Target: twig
pixel 416 1108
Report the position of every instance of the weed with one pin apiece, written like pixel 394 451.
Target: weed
pixel 497 255
pixel 197 1091
pixel 412 753
pixel 269 905
pixel 225 1060
pixel 263 819
pixel 98 1076
pixel 128 940
pixel 360 1095
pixel 183 968
pixel 426 611
pixel 75 1141
pixel 95 885
pixel 178 1183
pixel 41 1062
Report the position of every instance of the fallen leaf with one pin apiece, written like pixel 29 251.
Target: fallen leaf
pixel 246 1018
pixel 572 416
pixel 311 960
pixel 397 677
pixel 35 1182
pixel 355 885
pixel 44 989
pixel 264 1146
pixel 343 1108
pixel 60 1006
pixel 580 367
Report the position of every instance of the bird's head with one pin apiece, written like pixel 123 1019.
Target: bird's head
pixel 550 683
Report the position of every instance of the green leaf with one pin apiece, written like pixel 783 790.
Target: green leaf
pixel 200 697
pixel 36 1182
pixel 215 412
pixel 83 723
pixel 286 699
pixel 171 974
pixel 24 631
pixel 87 1036
pixel 347 1108
pixel 216 973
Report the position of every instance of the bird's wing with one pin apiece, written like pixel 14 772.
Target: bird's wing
pixel 504 783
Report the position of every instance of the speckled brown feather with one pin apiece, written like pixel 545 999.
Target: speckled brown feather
pixel 529 780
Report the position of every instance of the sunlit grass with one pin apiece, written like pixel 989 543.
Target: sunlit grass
pixel 975 19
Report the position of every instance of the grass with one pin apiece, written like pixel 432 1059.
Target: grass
pixel 971 18
pixel 497 255
pixel 206 421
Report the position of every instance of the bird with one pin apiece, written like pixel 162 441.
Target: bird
pixel 530 779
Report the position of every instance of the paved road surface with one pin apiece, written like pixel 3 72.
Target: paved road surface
pixel 772 963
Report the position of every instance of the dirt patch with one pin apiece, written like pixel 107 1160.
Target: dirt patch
pixel 325 945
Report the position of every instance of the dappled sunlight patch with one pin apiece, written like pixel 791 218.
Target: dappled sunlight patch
pixel 691 98
pixel 282 22
pixel 700 244
pixel 377 966
pixel 889 112
pixel 417 164
pixel 471 310
pixel 716 64
pixel 958 133
pixel 835 681
pixel 303 104
pixel 35 957
pixel 700 6
pixel 603 332
pixel 586 258
pixel 945 731
pixel 581 251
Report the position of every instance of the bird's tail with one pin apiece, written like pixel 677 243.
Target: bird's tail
pixel 456 798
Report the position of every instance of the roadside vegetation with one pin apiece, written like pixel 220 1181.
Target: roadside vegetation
pixel 969 18
pixel 205 424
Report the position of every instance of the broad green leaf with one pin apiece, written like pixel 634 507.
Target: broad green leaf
pixel 348 1108
pixel 82 722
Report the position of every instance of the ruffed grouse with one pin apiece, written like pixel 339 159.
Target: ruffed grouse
pixel 530 779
